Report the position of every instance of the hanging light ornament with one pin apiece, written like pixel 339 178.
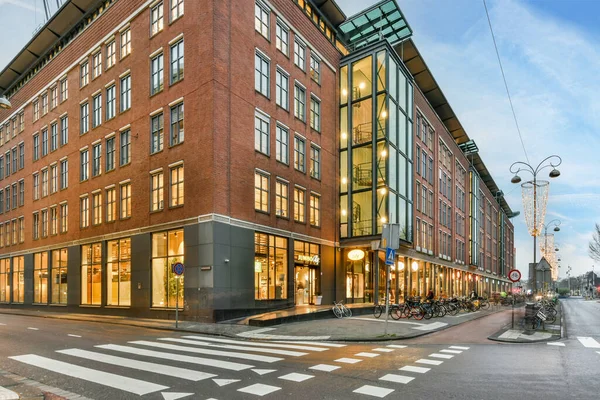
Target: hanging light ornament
pixel 535 200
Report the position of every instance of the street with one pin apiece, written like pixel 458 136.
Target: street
pixel 102 361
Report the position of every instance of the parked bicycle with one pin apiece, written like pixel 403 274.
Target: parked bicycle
pixel 393 310
pixel 340 310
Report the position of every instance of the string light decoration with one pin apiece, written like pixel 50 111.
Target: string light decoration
pixel 535 200
pixel 547 251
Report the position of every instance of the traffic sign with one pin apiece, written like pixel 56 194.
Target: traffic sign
pixel 514 275
pixel 178 268
pixel 390 256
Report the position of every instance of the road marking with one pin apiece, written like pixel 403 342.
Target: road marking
pixel 429 362
pixel 373 391
pixel 589 342
pixel 324 367
pixel 258 334
pixel 233 366
pixel 311 343
pixel 383 320
pixel 6 394
pixel 71 335
pixel 254 344
pixel 161 369
pixel 459 347
pixel 463 315
pixel 233 354
pixel 438 355
pixel 33 329
pixel 432 326
pixel 296 377
pixel 396 378
pixel 451 351
pixel 383 350
pixel 130 385
pixel 263 371
pixel 555 344
pixel 410 368
pixel 223 382
pixel 259 389
pixel 174 395
pixel 396 346
pixel 365 354
pixel 234 347
pixel 348 360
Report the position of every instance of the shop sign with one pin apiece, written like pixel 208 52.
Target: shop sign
pixel 308 259
pixel 356 255
pixel 257 266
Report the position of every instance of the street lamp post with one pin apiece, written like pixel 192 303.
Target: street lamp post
pixel 534 212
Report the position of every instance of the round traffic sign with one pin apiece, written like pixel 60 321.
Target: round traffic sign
pixel 514 275
pixel 178 268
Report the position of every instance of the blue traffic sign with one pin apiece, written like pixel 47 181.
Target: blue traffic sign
pixel 178 268
pixel 390 256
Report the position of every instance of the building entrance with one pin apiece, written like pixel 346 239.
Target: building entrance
pixel 305 284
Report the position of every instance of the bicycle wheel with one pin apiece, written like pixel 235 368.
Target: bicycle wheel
pixel 377 311
pixel 346 311
pixel 428 312
pixel 337 312
pixel 550 319
pixel 453 309
pixel 441 311
pixel 404 311
pixel 418 313
pixel 395 312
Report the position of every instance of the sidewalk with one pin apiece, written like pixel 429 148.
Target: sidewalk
pixel 519 334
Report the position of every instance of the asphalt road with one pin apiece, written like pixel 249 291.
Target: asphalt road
pixel 457 363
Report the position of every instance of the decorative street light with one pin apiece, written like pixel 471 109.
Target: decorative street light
pixel 547 246
pixel 535 194
pixel 4 103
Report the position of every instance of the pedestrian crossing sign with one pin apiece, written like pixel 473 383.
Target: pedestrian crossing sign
pixel 390 256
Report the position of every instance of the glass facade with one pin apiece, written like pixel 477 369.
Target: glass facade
pixel 91 274
pixel 5 280
pixel 167 249
pixel 270 267
pixel 59 276
pixel 118 266
pixel 18 275
pixel 40 277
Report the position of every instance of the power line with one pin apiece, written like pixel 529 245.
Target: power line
pixel 505 84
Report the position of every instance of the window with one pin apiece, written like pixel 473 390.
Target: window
pixel 21 121
pixel 36 186
pixel 157 135
pixel 59 276
pixel 15 160
pixel 261 191
pixel 111 204
pixel 44 223
pixel 36 113
pixel 125 43
pixel 261 133
pixel 156 19
pixel 53 98
pixel 315 114
pixel 299 54
pixel 5 288
pixel 299 102
pixel 53 221
pixel 1 208
pixel 96 64
pixel 91 274
pixel 118 265
pixel 261 73
pixel 96 110
pixel 270 266
pixel 64 174
pixel 177 135
pixel 14 127
pixel 315 68
pixel 96 159
pixel 315 209
pixel 125 93
pixel 282 80
pixel 167 248
pixel 64 89
pixel 125 200
pixel 15 194
pixel 97 208
pixel 36 226
pixel 299 203
pixel 299 153
pixel 177 62
pixel 111 54
pixel 84 212
pixel 110 154
pixel 282 36
pixel 315 162
pixel 261 19
pixel 177 186
pixel 281 199
pixel 7 158
pixel 21 155
pixel 84 124
pixel 7 128
pixel 281 146
pixel 84 165
pixel 45 183
pixel 157 191
pixel 21 229
pixel 53 178
pixel 111 102
pixel 156 74
pixel 21 193
pixel 176 9
pixel 64 130
pixel 84 76
pixel 1 170
pixel 44 106
pixel 125 148
pixel 18 274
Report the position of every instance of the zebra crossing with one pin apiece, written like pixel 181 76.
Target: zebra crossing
pixel 585 341
pixel 202 359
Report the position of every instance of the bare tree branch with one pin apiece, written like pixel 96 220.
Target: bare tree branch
pixel 594 246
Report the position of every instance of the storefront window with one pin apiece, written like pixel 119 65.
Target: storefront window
pixel 59 276
pixel 359 276
pixel 167 249
pixel 118 265
pixel 18 279
pixel 91 274
pixel 40 277
pixel 270 267
pixel 307 260
pixel 5 280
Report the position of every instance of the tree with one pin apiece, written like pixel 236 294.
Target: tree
pixel 594 246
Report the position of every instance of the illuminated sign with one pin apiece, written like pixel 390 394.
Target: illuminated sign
pixel 356 255
pixel 314 259
pixel 257 266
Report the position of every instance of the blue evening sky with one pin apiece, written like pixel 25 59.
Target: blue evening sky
pixel 551 58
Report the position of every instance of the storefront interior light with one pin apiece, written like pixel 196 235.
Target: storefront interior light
pixel 344 180
pixel 384 153
pixel 382 191
pixel 344 92
pixel 344 212
pixel 383 220
pixel 400 265
pixel 383 114
pixel 361 85
pixel 344 135
pixel 415 265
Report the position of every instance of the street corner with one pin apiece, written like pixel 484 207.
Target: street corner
pixel 509 335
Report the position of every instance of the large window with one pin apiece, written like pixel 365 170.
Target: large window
pixel 315 209
pixel 64 217
pixel 125 43
pixel 315 68
pixel 64 89
pixel 282 37
pixel 315 114
pixel 84 75
pixel 315 162
pixel 261 19
pixel 156 74
pixel 40 277
pixel 111 205
pixel 84 212
pixel 156 19
pixel 157 135
pixel 125 93
pixel 110 154
pixel 91 274
pixel 84 157
pixel 282 198
pixel 64 174
pixel 299 204
pixel 125 200
pixel 96 64
pixel 270 267
pixel 59 276
pixel 84 120
pixel 299 54
pixel 299 153
pixel 157 191
pixel 111 54
pixel 261 73
pixel 177 195
pixel 177 134
pixel 53 136
pixel 97 159
pixel 53 178
pixel 97 208
pixel 299 102
pixel 282 81
pixel 111 102
pixel 167 249
pixel 44 143
pixel 96 110
pixel 18 274
pixel 64 130
pixel 282 146
pixel 45 182
pixel 176 9
pixel 4 277
pixel 261 133
pixel 177 61
pixel 125 148
pixel 261 191
pixel 118 265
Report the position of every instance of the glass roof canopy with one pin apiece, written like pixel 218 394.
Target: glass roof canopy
pixel 383 19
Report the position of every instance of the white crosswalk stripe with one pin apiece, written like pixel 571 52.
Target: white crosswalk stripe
pixel 256 344
pixel 589 342
pixel 234 347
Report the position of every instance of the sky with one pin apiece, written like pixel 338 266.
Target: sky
pixel 550 56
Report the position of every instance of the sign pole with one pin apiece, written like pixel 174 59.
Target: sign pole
pixel 387 296
pixel 177 302
pixel 514 276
